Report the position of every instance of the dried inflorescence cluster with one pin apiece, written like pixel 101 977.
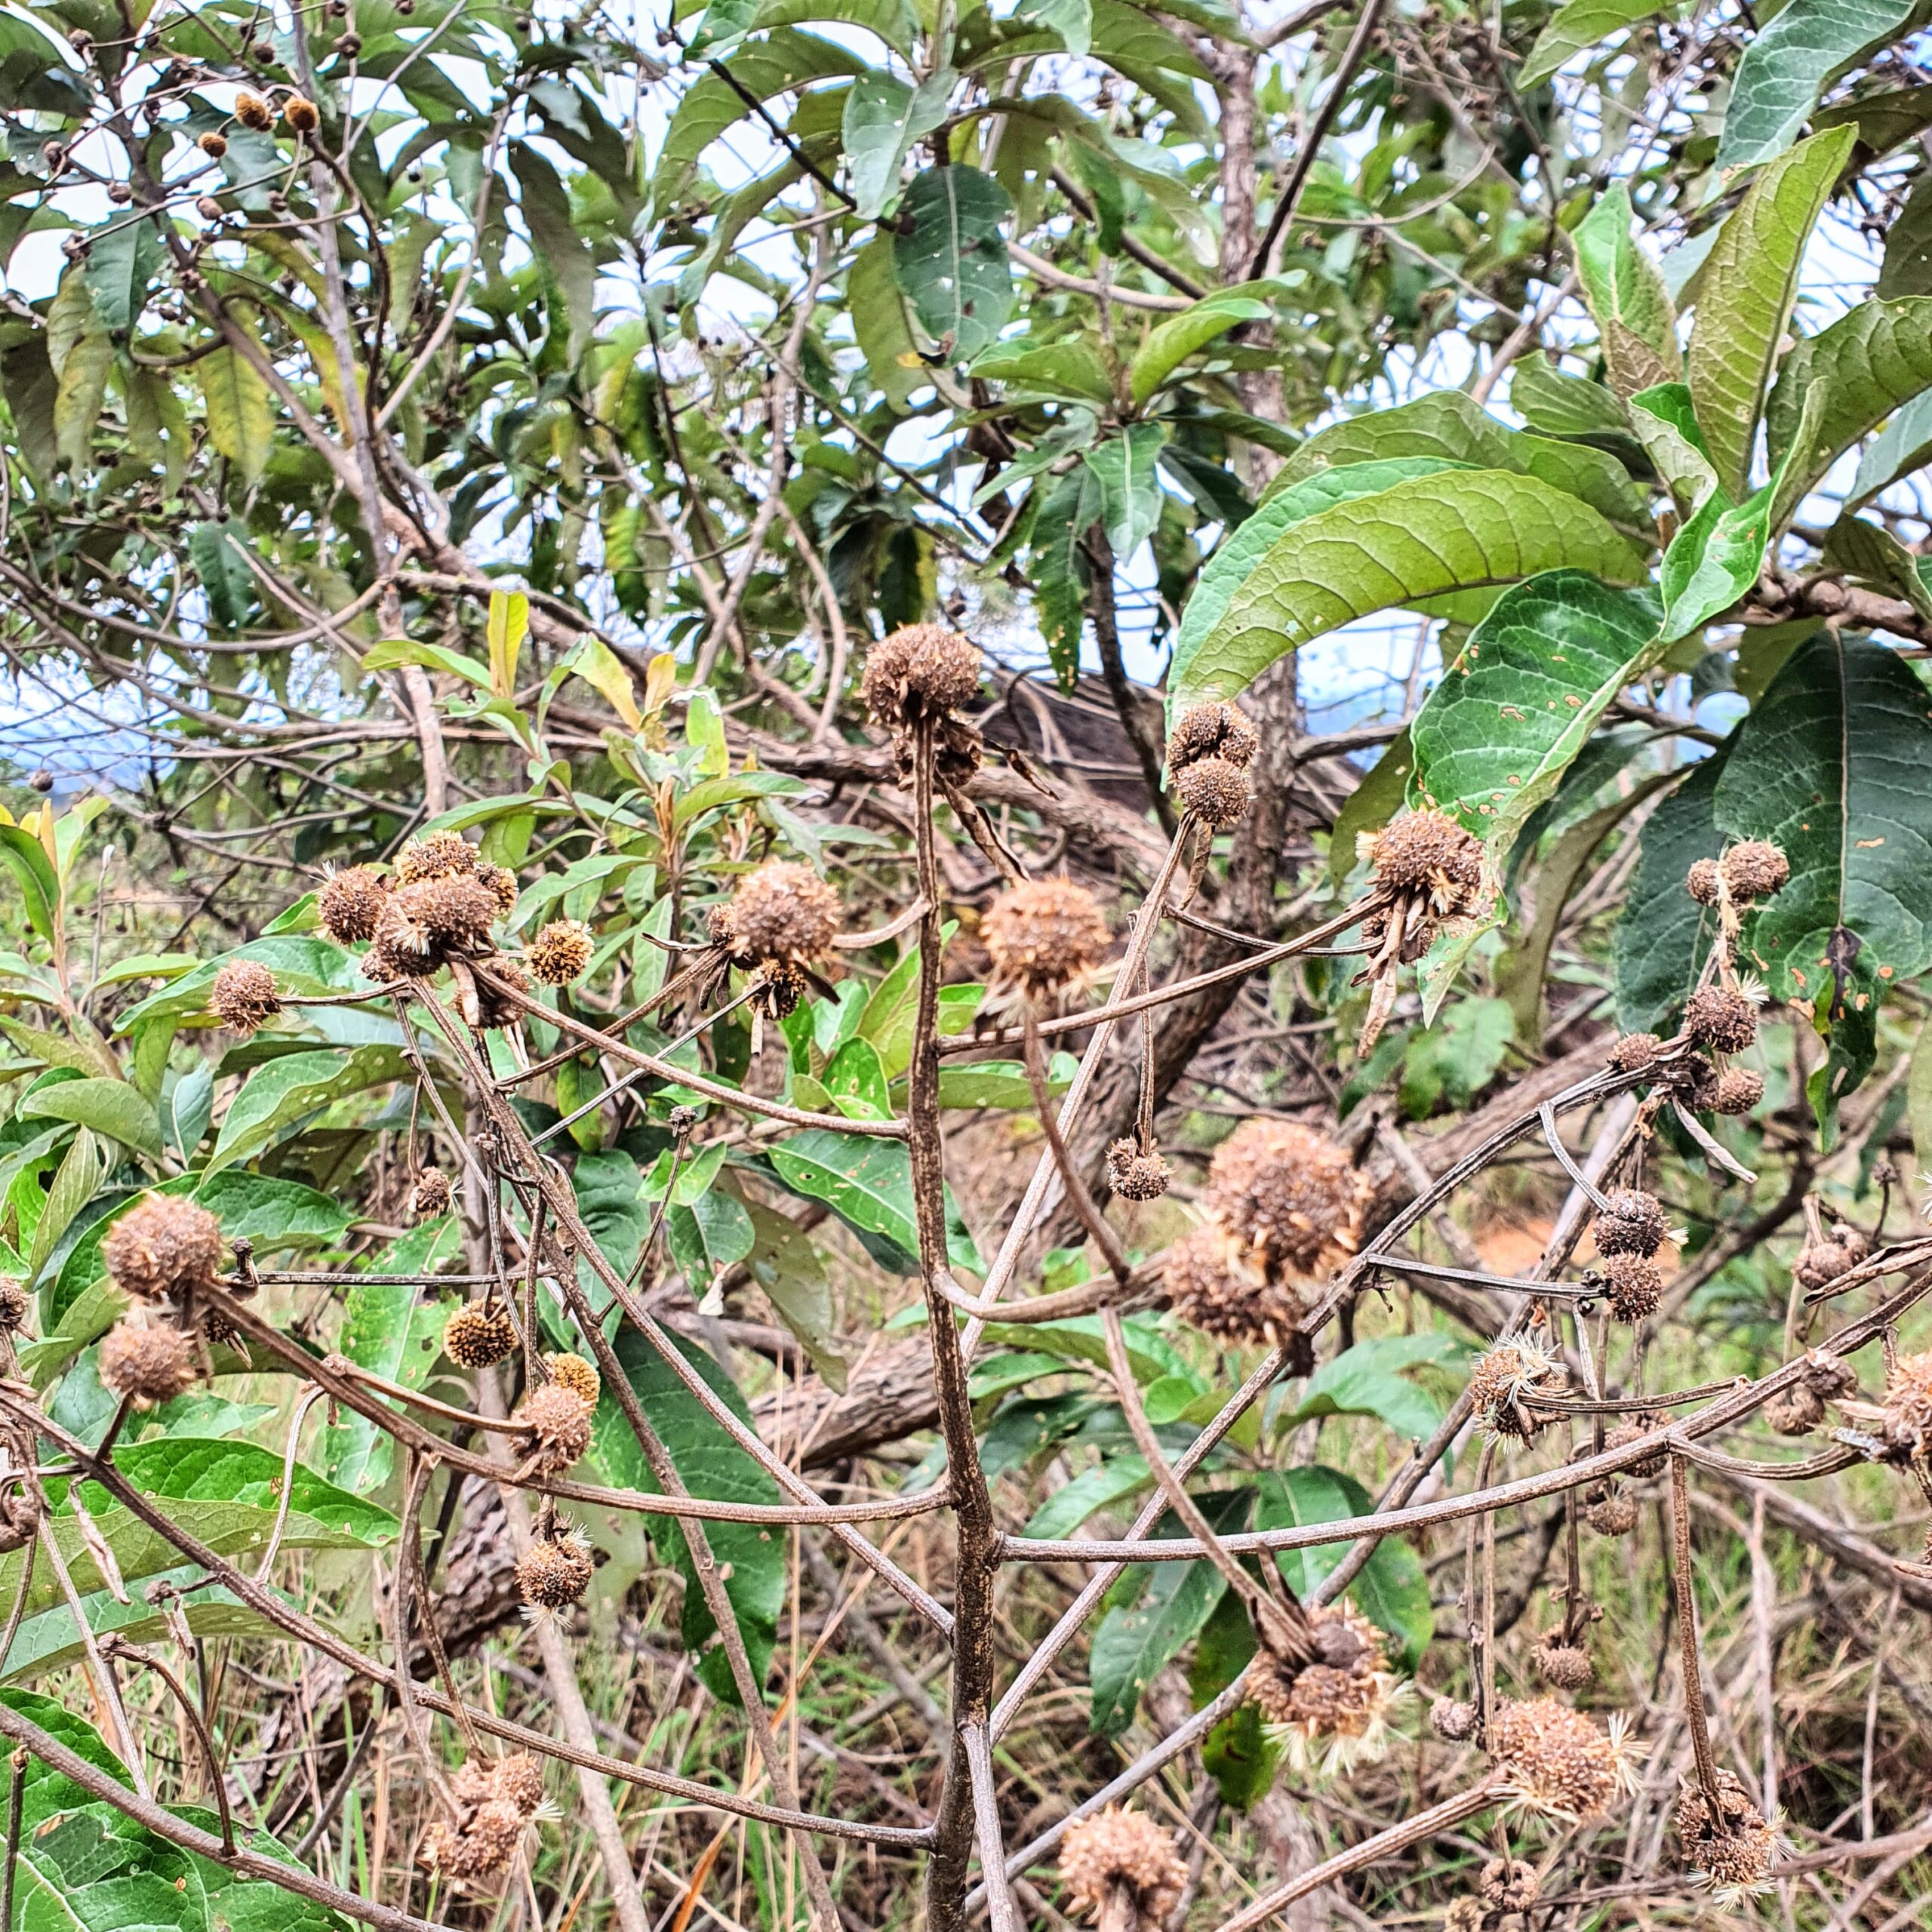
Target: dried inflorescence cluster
pixel 1558 1761
pixel 1134 1174
pixel 1504 1377
pixel 1208 755
pixel 555 1570
pixel 147 1362
pixel 245 995
pixel 555 1424
pixel 1425 869
pixel 779 922
pixel 480 1334
pixel 441 908
pixel 164 1249
pixel 559 953
pixel 494 1802
pixel 917 680
pixel 1045 938
pixel 1907 1418
pixel 1729 1844
pixel 1121 1870
pixel 1333 1710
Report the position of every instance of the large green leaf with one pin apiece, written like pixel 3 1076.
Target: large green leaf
pixel 110 1108
pixel 867 1182
pixel 883 117
pixel 1576 26
pixel 282 1093
pixel 1788 63
pixel 1169 343
pixel 950 258
pixel 563 257
pixel 1368 1380
pixel 1562 405
pixel 1868 553
pixel 1907 269
pixel 277 1214
pixel 1065 510
pixel 1664 421
pixel 240 414
pixel 1626 297
pixel 1126 466
pixel 1746 288
pixel 43 1791
pixel 1421 538
pixel 883 335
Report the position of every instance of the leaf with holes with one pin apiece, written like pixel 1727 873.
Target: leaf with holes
pixel 950 258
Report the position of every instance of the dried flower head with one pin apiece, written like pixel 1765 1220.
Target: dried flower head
pixel 1634 1051
pixel 1739 1089
pixel 1636 1428
pixel 1508 1884
pixel 1290 1192
pixel 479 1848
pixel 1820 1263
pixel 922 671
pixel 1613 1514
pixel 1452 1720
pixel 1212 730
pixel 1504 1376
pixel 1464 1915
pixel 1632 1286
pixel 435 855
pixel 457 911
pixel 555 1421
pixel 1724 1021
pixel 554 1571
pixel 213 144
pixel 781 990
pixel 350 903
pixel 1119 1860
pixel 1633 1223
pixel 13 1305
pixel 1557 1760
pixel 496 1005
pixel 245 995
pixel 1730 1845
pixel 1427 854
pixel 782 914
pixel 1908 1413
pixel 1045 935
pixel 1797 1410
pixel 1215 790
pixel 1334 1710
pixel 479 1335
pixel 517 1779
pixel 502 881
pixel 1701 882
pixel 1563 1667
pixel 163 1247
pixel 301 114
pixel 146 1364
pixel 560 952
pixel 1220 1286
pixel 576 1374
pixel 431 1195
pixel 1692 1082
pixel 1134 1176
pixel 1754 869
pixel 254 111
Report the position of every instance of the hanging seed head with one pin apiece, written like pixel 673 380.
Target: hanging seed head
pixel 350 903
pixel 574 1372
pixel 1289 1191
pixel 922 671
pixel 245 995
pixel 1562 1666
pixel 556 1425
pixel 1426 852
pixel 301 114
pixel 1632 1286
pixel 1452 1720
pixel 1223 1289
pixel 1044 935
pixel 481 1847
pixel 1795 1411
pixel 1614 1514
pixel 213 144
pixel 1635 1050
pixel 435 855
pixel 1212 730
pixel 494 1005
pixel 1725 1021
pixel 560 952
pixel 1908 1415
pixel 1731 1846
pixel 163 1247
pixel 502 881
pixel 1115 1851
pixel 1755 869
pixel 253 111
pixel 1830 1378
pixel 1820 1263
pixel 1633 1224
pixel 1508 1884
pixel 1701 882
pixel 782 914
pixel 1134 1176
pixel 554 1571
pixel 1635 1429
pixel 1215 790
pixel 1739 1089
pixel 1503 1377
pixel 456 910
pixel 13 1305
pixel 518 1780
pixel 1335 1709
pixel 479 1335
pixel 781 990
pixel 1558 1761
pixel 1464 1915
pixel 432 1196
pixel 146 1364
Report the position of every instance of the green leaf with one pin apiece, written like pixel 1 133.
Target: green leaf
pixel 280 1094
pixel 855 1078
pixel 1635 322
pixel 111 1108
pixel 123 256
pixel 1663 934
pixel 1169 343
pixel 1562 405
pixel 43 1791
pixel 1126 466
pixel 1071 20
pixel 72 1189
pixel 1100 1487
pixel 884 118
pixel 1666 425
pixel 1907 268
pixel 25 856
pixel 278 1215
pixel 563 255
pixel 234 1478
pixel 868 1183
pixel 186 1108
pixel 790 1268
pixel 1575 26
pixel 1367 1379
pixel 1372 804
pixel 508 626
pixel 1061 572
pixel 1071 368
pixel 240 415
pixel 81 396
pixel 1867 553
pixel 883 335
pixel 949 256
pixel 1454 1061
pixel 1000 1083
pixel 1905 444
pixel 711 1465
pixel 1747 287
pixel 49 1641
pixel 219 553
pixel 95 1869
pixel 1788 63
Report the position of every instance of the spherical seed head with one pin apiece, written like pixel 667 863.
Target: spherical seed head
pixel 1215 790
pixel 1508 1884
pixel 576 1374
pixel 1830 1378
pixel 1635 1050
pixel 1795 1411
pixel 245 995
pixel 1044 934
pixel 481 1847
pixel 301 114
pixel 1289 1191
pixel 556 1425
pixel 494 1005
pixel 922 671
pixel 1613 1515
pixel 1739 1089
pixel 146 1364
pixel 1755 869
pixel 1427 852
pixel 1633 1224
pixel 213 144
pixel 1701 882
pixel 435 855
pixel 1464 1915
pixel 502 881
pixel 1125 1850
pixel 163 1247
pixel 1223 1289
pixel 1134 1176
pixel 1452 1720
pixel 518 1780
pixel 455 909
pixel 782 990
pixel 1908 1422
pixel 432 1195
pixel 1730 1843
pixel 479 1335
pixel 554 1572
pixel 13 1305
pixel 253 111
pixel 1504 1376
pixel 1335 1709
pixel 350 904
pixel 1212 730
pixel 1558 1760
pixel 560 952
pixel 1725 1021
pixel 782 914
pixel 1632 1286
pixel 1637 1428
pixel 1563 1667
pixel 474 1782
pixel 1820 1263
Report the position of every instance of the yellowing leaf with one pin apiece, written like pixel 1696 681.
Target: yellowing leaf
pixel 509 624
pixel 596 663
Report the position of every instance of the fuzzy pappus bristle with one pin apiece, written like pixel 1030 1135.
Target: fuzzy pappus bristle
pixel 554 1571
pixel 1729 1844
pixel 1334 1708
pixel 1558 1761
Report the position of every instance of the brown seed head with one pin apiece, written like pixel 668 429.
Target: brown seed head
pixel 556 1425
pixel 435 855
pixel 457 910
pixel 1452 1720
pixel 1730 1844
pixel 1634 1223
pixel 479 1335
pixel 245 995
pixel 1725 1021
pixel 1908 1423
pixel 1633 1051
pixel 1427 852
pixel 518 1780
pixel 481 1847
pixel 254 111
pixel 781 914
pixel 781 990
pixel 350 903
pixel 1632 1286
pixel 163 1247
pixel 1820 1263
pixel 432 1195
pixel 1613 1515
pixel 13 1305
pixel 1693 1083
pixel 576 1374
pixel 1044 934
pixel 1212 730
pixel 1215 790
pixel 1504 1376
pixel 1636 1428
pixel 1222 1288
pixel 1701 882
pixel 1563 1667
pixel 1124 1852
pixel 560 952
pixel 1795 1411
pixel 554 1572
pixel 494 1006
pixel 1508 1884
pixel 1289 1191
pixel 301 114
pixel 1754 870
pixel 1739 1089
pixel 922 671
pixel 502 881
pixel 146 1364
pixel 1464 1915
pixel 1557 1759
pixel 1134 1176
pixel 1336 1707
